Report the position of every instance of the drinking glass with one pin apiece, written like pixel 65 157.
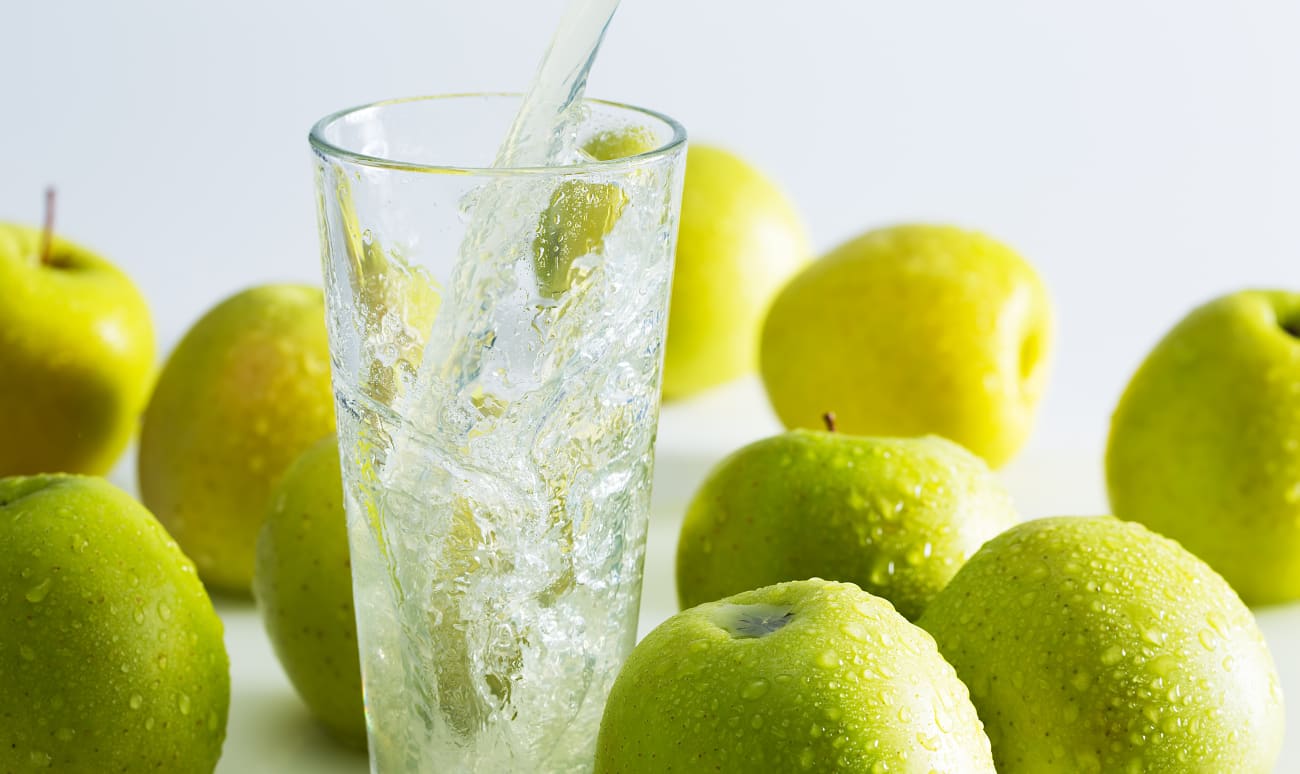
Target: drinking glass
pixel 496 340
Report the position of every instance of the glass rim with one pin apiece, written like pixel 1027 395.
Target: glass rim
pixel 323 146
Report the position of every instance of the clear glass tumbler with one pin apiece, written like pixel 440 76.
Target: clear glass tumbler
pixel 496 338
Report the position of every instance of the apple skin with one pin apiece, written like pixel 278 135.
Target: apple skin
pixel 913 330
pixel 1205 443
pixel 896 516
pixel 739 240
pixel 76 357
pixel 111 653
pixel 1091 644
pixel 303 587
pixel 245 392
pixel 846 684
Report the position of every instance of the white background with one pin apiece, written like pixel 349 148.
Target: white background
pixel 1144 155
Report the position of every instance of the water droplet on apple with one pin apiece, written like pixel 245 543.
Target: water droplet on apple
pixel 1153 635
pixel 1162 665
pixel 855 630
pixel 39 591
pixel 755 689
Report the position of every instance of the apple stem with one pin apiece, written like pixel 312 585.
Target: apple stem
pixel 829 419
pixel 47 234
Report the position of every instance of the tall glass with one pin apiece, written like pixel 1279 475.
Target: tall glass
pixel 496 338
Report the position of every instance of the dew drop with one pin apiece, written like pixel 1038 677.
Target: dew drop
pixel 755 689
pixel 942 720
pixel 38 592
pixel 1163 665
pixel 855 630
pixel 136 701
pixel 184 704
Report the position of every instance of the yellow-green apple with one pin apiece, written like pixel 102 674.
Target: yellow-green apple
pixel 802 676
pixel 111 654
pixel 896 516
pixel 1091 644
pixel 303 586
pixel 245 392
pixel 913 330
pixel 738 242
pixel 1205 444
pixel 76 356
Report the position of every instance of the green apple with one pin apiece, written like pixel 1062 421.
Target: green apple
pixel 1090 644
pixel 111 654
pixel 1205 444
pixel 913 330
pixel 738 242
pixel 803 676
pixel 303 586
pixel 76 356
pixel 896 516
pixel 245 392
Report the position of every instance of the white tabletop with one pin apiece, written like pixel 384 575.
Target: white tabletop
pixel 270 731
